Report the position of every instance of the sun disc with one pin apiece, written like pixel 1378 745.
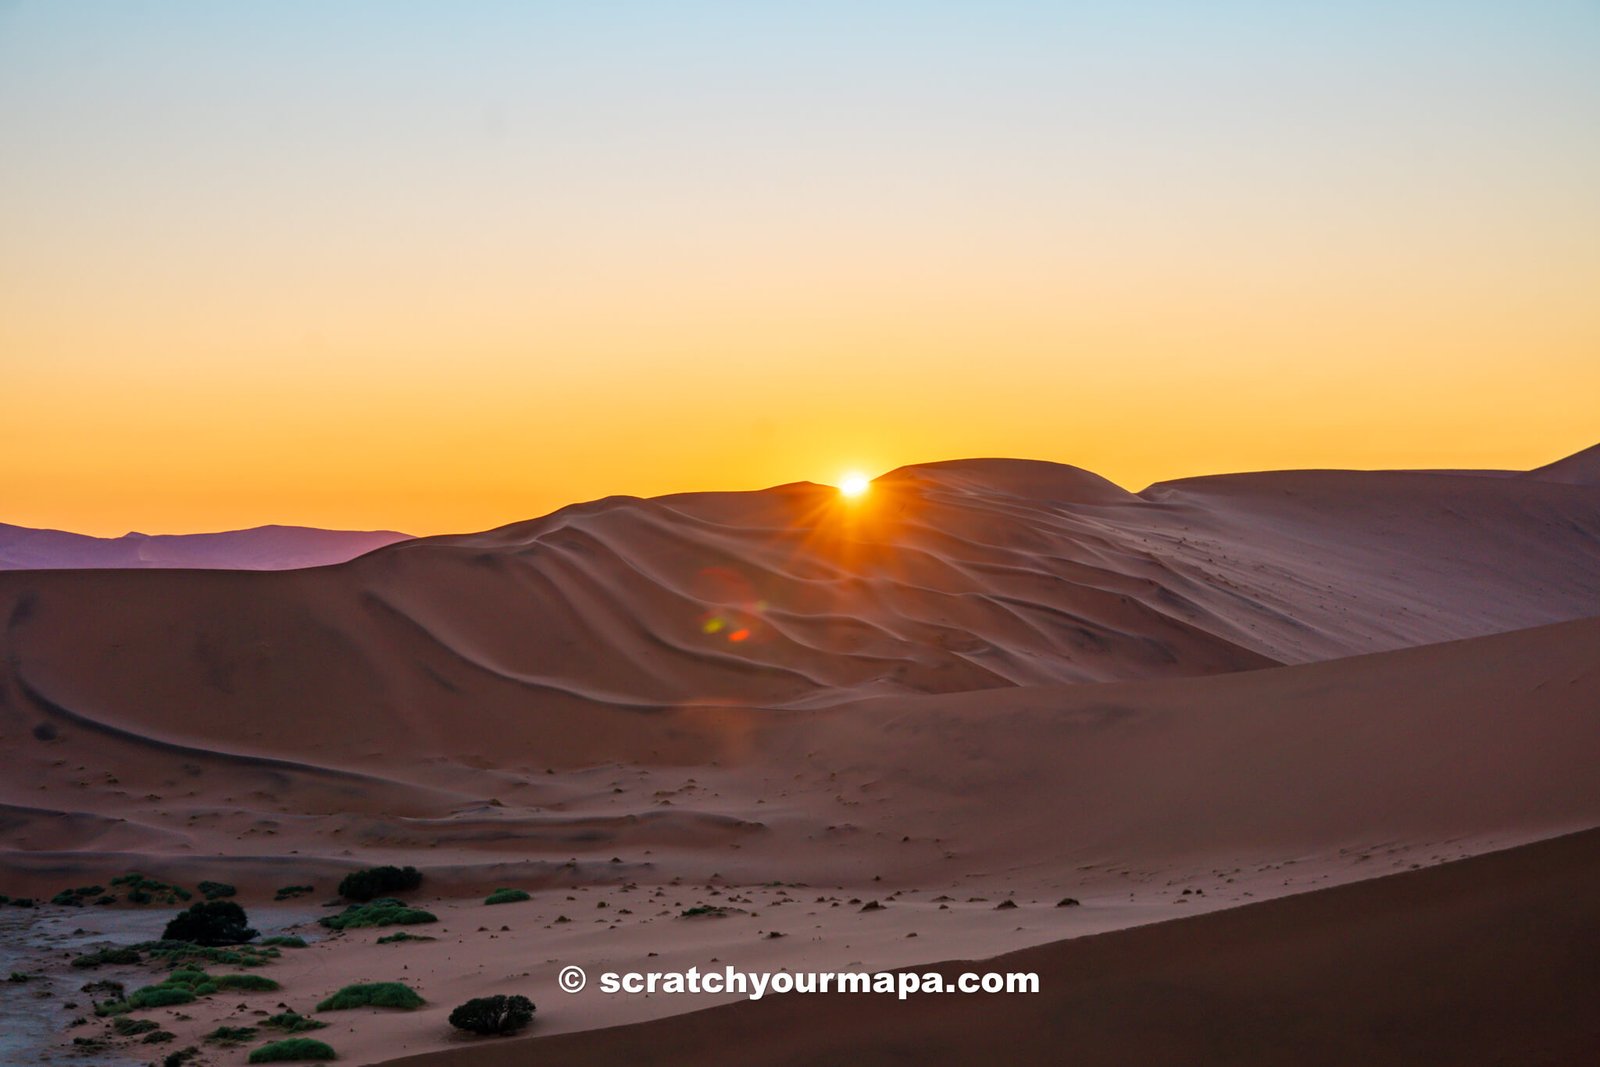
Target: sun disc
pixel 853 485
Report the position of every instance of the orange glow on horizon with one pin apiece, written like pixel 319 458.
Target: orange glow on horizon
pixel 298 264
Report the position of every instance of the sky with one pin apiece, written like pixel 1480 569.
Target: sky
pixel 442 266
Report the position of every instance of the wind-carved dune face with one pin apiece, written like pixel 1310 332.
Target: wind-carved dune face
pixel 948 577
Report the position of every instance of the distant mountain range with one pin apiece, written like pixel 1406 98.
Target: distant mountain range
pixel 264 548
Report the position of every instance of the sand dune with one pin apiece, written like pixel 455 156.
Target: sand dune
pixel 993 680
pixel 265 548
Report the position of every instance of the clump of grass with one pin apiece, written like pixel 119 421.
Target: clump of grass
pixel 292 1022
pixel 507 896
pixel 385 911
pixel 284 941
pixel 216 890
pixel 108 955
pixel 373 995
pixel 183 986
pixel 401 935
pixel 231 1035
pixel 157 996
pixel 291 1049
pixel 289 892
pixel 178 953
pixel 127 1027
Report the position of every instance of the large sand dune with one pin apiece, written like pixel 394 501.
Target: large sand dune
pixel 264 548
pixel 990 680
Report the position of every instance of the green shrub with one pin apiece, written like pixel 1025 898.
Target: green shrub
pixel 229 1035
pixel 248 983
pixel 385 911
pixel 180 1057
pixel 292 1022
pixel 178 953
pixel 291 1049
pixel 395 938
pixel 493 1015
pixel 159 996
pixel 378 882
pixel 210 922
pixel 506 896
pixel 76 897
pixel 108 955
pixel 284 941
pixel 289 892
pixel 159 1037
pixel 216 890
pixel 187 977
pixel 142 890
pixel 373 995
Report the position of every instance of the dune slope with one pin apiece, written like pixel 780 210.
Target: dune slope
pixel 1490 960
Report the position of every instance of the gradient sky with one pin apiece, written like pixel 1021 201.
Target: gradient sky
pixel 441 266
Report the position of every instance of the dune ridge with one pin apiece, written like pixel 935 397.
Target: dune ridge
pixel 258 548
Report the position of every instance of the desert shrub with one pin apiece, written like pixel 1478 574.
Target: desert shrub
pixel 179 953
pixel 107 955
pixel 284 941
pixel 506 896
pixel 216 890
pixel 396 938
pixel 187 977
pixel 493 1015
pixel 373 995
pixel 142 890
pixel 292 1022
pixel 289 892
pixel 378 882
pixel 159 996
pixel 210 922
pixel 291 1049
pixel 248 983
pixel 133 1027
pixel 159 1037
pixel 385 911
pixel 180 1057
pixel 229 1035
pixel 75 897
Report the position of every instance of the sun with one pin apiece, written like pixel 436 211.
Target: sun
pixel 854 485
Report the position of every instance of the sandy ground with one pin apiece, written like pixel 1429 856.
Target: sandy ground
pixel 1493 960
pixel 1003 682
